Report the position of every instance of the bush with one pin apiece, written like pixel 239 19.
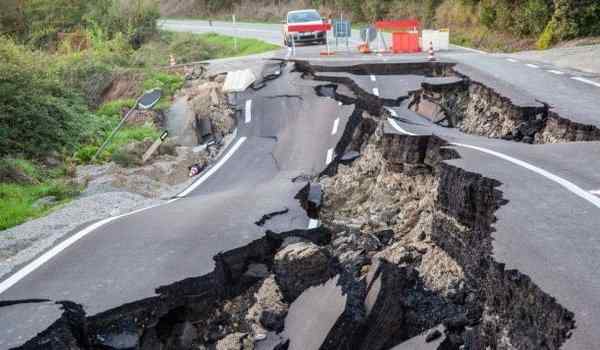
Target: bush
pixel 548 37
pixel 532 18
pixel 35 106
pixel 168 83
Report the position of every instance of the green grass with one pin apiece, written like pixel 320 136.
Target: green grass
pixel 111 113
pixel 187 47
pixel 17 199
pixel 245 46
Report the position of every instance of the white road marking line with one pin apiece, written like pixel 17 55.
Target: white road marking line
pixel 470 49
pixel 214 168
pixel 248 111
pixel 44 258
pixel 532 66
pixel 557 72
pixel 578 191
pixel 312 223
pixel 597 193
pixel 587 81
pixel 512 60
pixel 373 79
pixel 376 91
pixel 397 127
pixel 329 158
pixel 336 124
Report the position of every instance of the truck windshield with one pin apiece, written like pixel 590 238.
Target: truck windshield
pixel 305 16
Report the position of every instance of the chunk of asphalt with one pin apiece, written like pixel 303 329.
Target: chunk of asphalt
pixel 328 316
pixel 310 197
pixel 315 194
pixel 349 157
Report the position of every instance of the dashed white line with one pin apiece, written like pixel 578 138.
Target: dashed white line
pixel 587 81
pixel 336 124
pixel 578 191
pixel 329 158
pixel 532 66
pixel 376 91
pixel 373 79
pixel 248 111
pixel 512 60
pixel 313 223
pixel 557 72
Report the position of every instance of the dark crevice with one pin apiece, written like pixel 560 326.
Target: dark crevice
pixel 269 216
pixel 5 303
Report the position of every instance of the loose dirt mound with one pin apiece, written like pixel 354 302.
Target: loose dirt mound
pixel 124 85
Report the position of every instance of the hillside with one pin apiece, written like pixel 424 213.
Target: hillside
pixel 498 25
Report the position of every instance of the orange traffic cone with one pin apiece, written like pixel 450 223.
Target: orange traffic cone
pixel 431 56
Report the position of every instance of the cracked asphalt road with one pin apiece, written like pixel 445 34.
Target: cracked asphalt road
pixel 545 231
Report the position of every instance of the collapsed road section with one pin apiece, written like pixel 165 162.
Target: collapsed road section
pixel 404 258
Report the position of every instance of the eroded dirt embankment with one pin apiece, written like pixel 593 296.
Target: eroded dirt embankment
pixel 405 246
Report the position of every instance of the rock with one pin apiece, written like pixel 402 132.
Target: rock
pixel 120 341
pixel 257 271
pixel 299 266
pixel 397 254
pixel 168 147
pixel 270 309
pixel 44 202
pixel 234 341
pixel 384 235
pixel 433 335
pixel 182 336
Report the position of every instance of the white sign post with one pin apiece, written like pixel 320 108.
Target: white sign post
pixel 235 34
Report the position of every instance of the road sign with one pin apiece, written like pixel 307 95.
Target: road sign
pixel 154 146
pixel 368 34
pixel 150 98
pixel 342 29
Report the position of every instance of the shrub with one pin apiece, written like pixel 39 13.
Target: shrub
pixel 548 37
pixel 168 83
pixel 35 106
pixel 532 17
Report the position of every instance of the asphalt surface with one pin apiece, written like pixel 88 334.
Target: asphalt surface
pixel 548 230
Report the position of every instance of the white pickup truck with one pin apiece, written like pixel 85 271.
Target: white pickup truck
pixel 303 17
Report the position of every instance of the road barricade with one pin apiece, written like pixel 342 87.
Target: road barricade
pixel 439 38
pixel 405 42
pixel 306 28
pixel 405 35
